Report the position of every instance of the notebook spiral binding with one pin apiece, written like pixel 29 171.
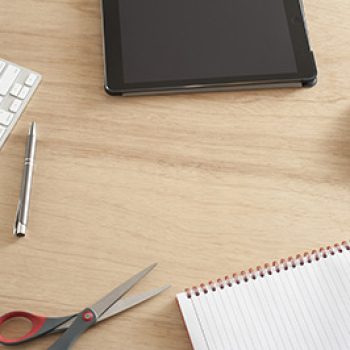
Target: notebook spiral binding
pixel 268 269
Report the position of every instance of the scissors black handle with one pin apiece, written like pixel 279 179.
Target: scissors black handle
pixel 84 321
pixel 41 325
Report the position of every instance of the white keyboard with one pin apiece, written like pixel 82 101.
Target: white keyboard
pixel 17 86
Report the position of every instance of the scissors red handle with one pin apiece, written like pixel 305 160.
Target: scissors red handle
pixel 41 325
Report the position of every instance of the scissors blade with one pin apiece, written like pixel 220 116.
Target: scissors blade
pixel 119 307
pixel 110 299
pixel 128 303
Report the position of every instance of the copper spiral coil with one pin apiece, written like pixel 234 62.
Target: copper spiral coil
pixel 268 269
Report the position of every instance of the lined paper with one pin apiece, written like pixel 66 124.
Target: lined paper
pixel 306 307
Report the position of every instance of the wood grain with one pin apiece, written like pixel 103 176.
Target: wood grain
pixel 205 184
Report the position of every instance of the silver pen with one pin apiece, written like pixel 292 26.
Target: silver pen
pixel 22 214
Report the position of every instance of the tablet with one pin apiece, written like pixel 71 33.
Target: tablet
pixel 162 46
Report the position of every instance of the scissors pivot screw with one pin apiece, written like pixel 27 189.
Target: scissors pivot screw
pixel 88 316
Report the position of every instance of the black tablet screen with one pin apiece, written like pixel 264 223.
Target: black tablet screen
pixel 171 40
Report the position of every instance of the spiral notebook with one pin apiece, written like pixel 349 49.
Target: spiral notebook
pixel 300 303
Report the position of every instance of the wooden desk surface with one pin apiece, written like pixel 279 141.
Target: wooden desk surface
pixel 205 184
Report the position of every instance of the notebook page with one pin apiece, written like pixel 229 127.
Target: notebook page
pixel 312 310
pixel 237 329
pixel 302 304
pixel 272 318
pixel 253 305
pixel 322 305
pixel 221 319
pixel 240 318
pixel 192 322
pixel 209 302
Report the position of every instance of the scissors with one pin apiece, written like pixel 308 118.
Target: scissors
pixel 75 325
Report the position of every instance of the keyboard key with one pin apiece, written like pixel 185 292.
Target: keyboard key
pixel 2 65
pixel 2 132
pixel 24 93
pixel 31 79
pixel 8 78
pixel 15 106
pixel 5 117
pixel 16 89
